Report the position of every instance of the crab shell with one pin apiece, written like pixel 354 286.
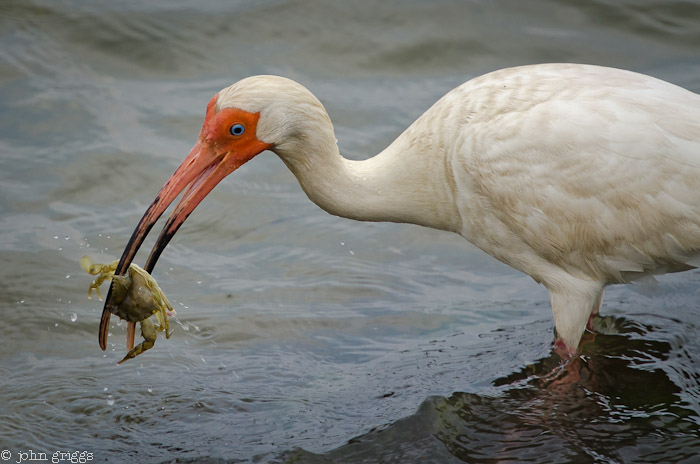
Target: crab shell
pixel 138 295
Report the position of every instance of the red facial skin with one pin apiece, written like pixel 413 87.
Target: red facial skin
pixel 216 154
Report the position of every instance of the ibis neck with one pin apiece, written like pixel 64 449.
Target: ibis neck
pixel 399 184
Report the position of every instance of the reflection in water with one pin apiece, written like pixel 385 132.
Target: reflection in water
pixel 590 409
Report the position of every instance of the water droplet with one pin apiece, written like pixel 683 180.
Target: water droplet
pixel 150 389
pixel 99 235
pixel 21 301
pixel 199 282
pixel 60 248
pixel 55 237
pixel 110 400
pixel 56 324
pixel 67 237
pixel 73 317
pixel 67 276
pixel 105 388
pixel 342 243
pixel 352 253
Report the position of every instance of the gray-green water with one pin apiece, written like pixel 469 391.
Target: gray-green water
pixel 302 337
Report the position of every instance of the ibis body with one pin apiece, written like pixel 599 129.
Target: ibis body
pixel 580 176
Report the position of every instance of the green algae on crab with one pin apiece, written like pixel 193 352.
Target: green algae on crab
pixel 138 297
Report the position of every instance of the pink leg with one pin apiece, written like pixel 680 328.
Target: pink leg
pixel 572 307
pixel 562 350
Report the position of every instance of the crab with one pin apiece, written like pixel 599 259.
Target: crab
pixel 138 297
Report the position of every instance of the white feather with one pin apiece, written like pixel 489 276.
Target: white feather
pixel 580 176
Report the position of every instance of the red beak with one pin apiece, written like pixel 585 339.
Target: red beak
pixel 216 154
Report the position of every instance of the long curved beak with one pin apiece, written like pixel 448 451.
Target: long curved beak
pixel 199 173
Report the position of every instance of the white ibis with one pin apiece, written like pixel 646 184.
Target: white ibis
pixel 579 176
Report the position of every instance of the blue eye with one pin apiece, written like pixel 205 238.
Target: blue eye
pixel 237 129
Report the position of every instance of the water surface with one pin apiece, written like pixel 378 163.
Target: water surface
pixel 302 337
